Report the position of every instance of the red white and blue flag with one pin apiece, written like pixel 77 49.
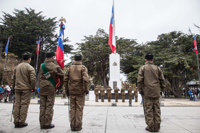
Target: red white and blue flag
pixel 60 51
pixel 112 41
pixel 195 45
pixel 38 46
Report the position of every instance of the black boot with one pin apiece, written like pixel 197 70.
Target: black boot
pixel 48 127
pixel 16 125
pixel 21 126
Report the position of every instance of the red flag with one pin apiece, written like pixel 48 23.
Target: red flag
pixel 195 45
pixel 60 52
pixel 112 41
pixel 38 46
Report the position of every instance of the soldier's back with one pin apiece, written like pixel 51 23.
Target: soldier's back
pixel 25 74
pixel 46 87
pixel 76 80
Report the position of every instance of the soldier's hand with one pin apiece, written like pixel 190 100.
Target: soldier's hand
pixel 87 92
pixel 142 93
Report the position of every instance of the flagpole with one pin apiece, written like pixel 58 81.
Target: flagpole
pixel 36 63
pixel 114 25
pixel 6 52
pixel 37 56
pixel 4 69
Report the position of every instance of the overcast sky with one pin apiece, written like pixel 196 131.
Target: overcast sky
pixel 143 20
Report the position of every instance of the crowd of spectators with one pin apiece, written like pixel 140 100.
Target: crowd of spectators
pixel 194 93
pixel 6 93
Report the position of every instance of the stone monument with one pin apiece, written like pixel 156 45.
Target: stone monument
pixel 114 68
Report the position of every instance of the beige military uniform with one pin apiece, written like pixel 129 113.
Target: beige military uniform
pixel 136 94
pixel 77 77
pixel 116 94
pixel 23 81
pixel 96 92
pixel 150 80
pixel 47 91
pixel 102 90
pixel 130 89
pixel 123 94
pixel 109 93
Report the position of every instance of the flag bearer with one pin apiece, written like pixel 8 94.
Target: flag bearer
pixel 49 71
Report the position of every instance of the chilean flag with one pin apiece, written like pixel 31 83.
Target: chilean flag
pixel 38 46
pixel 112 41
pixel 195 45
pixel 60 52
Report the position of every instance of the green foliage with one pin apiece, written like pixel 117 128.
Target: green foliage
pixel 175 52
pixel 95 51
pixel 25 27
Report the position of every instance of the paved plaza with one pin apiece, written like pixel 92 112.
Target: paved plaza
pixel 106 119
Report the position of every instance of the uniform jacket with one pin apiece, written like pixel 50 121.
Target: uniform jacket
pixel 46 87
pixel 116 91
pixel 150 80
pixel 109 90
pixel 102 90
pixel 77 78
pixel 24 77
pixel 130 91
pixel 135 92
pixel 96 91
pixel 123 91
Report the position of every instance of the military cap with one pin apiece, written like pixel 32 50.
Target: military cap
pixel 78 57
pixel 26 55
pixel 50 54
pixel 149 56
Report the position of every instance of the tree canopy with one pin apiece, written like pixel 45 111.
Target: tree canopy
pixel 25 27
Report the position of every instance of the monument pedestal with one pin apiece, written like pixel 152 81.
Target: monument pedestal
pixel 114 60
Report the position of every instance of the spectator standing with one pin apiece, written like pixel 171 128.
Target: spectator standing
pixel 11 95
pixel 190 93
pixel 198 92
pixel 194 91
pixel 38 92
pixel 1 92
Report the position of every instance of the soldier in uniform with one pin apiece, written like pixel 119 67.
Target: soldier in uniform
pixel 77 77
pixel 23 81
pixel 109 93
pixel 150 80
pixel 136 94
pixel 96 92
pixel 102 91
pixel 116 94
pixel 47 89
pixel 130 89
pixel 123 94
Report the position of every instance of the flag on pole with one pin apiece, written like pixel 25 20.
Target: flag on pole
pixel 6 50
pixel 38 46
pixel 60 51
pixel 112 41
pixel 195 45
